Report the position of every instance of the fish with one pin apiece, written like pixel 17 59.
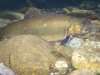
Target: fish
pixel 50 27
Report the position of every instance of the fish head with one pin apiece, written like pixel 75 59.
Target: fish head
pixel 79 26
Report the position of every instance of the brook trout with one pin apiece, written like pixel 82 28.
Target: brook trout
pixel 50 27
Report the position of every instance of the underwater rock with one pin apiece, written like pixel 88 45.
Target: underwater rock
pixel 62 65
pixel 87 56
pixel 44 12
pixel 54 9
pixel 63 51
pixel 97 10
pixel 65 11
pixel 21 10
pixel 81 6
pixel 82 13
pixel 4 22
pixel 31 54
pixel 12 16
pixel 5 70
pixel 97 24
pixel 82 72
pixel 87 5
pixel 51 11
pixel 95 37
pixel 74 8
pixel 70 8
pixel 75 43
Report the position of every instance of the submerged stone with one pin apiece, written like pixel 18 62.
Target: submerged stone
pixel 12 16
pixel 27 55
pixel 87 56
pixel 82 72
pixel 4 22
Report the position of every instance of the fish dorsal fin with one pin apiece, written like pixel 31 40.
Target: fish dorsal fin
pixel 31 12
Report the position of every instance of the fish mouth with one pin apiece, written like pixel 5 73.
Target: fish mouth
pixel 86 31
pixel 88 28
pixel 68 38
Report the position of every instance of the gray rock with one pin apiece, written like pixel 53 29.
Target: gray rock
pixel 97 10
pixel 5 70
pixel 75 43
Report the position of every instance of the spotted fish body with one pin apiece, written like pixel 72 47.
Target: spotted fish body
pixel 50 27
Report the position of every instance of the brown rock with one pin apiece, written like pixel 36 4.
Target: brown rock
pixel 87 57
pixel 63 51
pixel 70 8
pixel 65 11
pixel 97 24
pixel 4 22
pixel 62 66
pixel 82 72
pixel 27 55
pixel 12 16
pixel 97 10
pixel 63 63
pixel 82 13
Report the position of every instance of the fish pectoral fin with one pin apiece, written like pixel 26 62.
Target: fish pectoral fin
pixel 66 40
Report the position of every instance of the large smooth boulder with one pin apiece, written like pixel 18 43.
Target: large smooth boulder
pixel 27 55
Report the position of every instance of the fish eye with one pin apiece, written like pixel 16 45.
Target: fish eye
pixel 82 23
